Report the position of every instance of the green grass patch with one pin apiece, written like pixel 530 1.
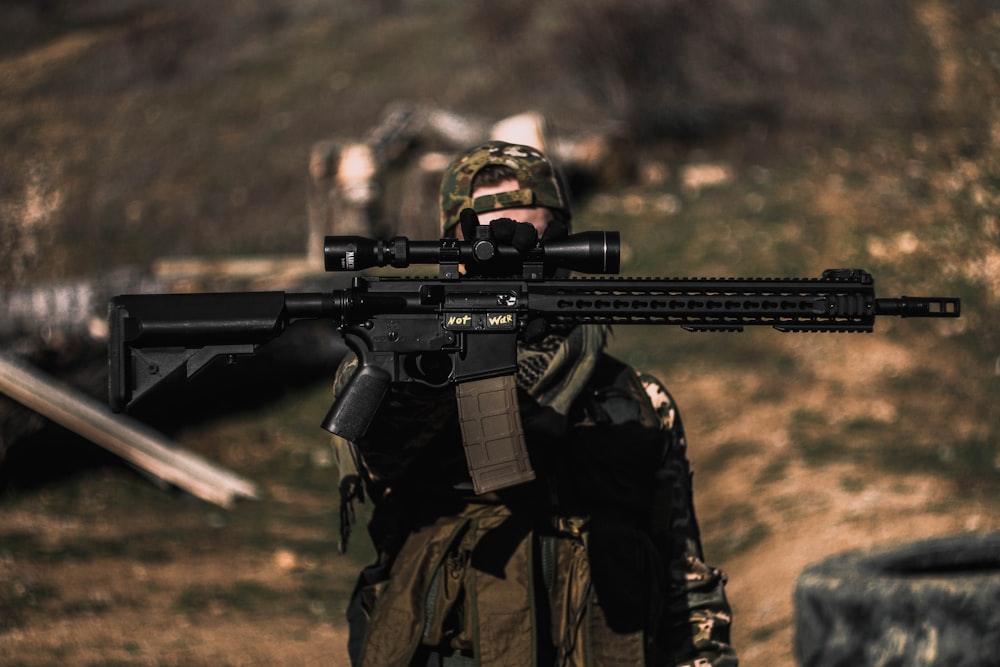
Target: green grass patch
pixel 20 596
pixel 853 483
pixel 245 597
pixel 972 461
pixel 972 464
pixel 735 530
pixel 810 433
pixel 143 548
pixel 773 473
pixel 727 454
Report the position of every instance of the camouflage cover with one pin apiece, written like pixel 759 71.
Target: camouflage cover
pixel 539 181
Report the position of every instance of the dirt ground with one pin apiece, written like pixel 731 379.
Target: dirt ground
pixel 105 569
pixel 113 588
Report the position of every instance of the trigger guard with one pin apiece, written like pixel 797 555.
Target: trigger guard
pixel 427 369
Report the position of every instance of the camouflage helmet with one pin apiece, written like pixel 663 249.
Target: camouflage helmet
pixel 540 184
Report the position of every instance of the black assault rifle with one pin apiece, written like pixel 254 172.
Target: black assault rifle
pixel 462 328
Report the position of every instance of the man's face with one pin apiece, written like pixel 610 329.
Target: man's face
pixel 538 216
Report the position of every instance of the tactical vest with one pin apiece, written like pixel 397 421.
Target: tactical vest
pixel 574 581
pixel 514 599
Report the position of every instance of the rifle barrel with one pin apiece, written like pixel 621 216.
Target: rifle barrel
pixel 919 306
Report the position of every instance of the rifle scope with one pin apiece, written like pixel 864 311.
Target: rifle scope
pixel 586 252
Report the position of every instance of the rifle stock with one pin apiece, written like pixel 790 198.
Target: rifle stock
pixel 457 329
pixel 153 337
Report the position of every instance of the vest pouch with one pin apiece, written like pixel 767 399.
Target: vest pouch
pixel 461 583
pixel 399 618
pixel 569 597
pixel 628 582
pixel 500 611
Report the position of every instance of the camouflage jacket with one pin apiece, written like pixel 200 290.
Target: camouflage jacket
pixel 597 562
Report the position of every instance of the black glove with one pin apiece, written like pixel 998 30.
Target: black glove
pixel 497 238
pixel 522 235
pixel 504 231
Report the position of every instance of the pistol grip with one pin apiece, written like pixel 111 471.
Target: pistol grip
pixel 353 411
pixel 492 434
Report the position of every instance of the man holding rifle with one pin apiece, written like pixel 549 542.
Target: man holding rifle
pixel 598 559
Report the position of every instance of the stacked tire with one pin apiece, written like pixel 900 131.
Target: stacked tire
pixel 928 603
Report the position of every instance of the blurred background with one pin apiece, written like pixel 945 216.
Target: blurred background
pixel 762 137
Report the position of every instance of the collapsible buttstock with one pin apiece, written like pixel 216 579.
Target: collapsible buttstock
pixel 155 336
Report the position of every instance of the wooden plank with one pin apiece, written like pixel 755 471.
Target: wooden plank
pixel 125 437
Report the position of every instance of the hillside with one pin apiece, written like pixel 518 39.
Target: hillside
pixel 130 133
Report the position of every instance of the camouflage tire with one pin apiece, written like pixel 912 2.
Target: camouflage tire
pixel 934 602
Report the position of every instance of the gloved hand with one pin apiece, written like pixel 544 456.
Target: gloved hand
pixel 504 231
pixel 522 235
pixel 493 244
